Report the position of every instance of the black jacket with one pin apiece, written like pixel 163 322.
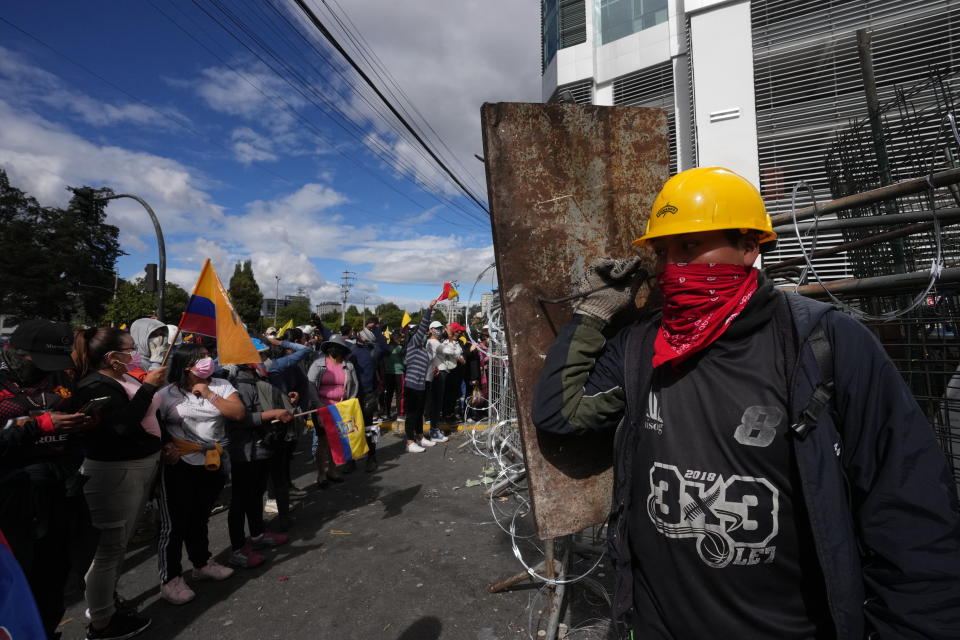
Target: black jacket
pixel 119 434
pixel 33 446
pixel 880 496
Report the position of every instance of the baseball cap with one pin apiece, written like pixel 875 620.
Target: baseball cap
pixel 435 324
pixel 48 343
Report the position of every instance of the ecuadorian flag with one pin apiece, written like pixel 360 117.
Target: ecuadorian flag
pixel 343 425
pixel 449 291
pixel 210 313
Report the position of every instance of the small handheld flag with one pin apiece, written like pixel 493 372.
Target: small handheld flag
pixel 406 319
pixel 282 329
pixel 449 291
pixel 342 423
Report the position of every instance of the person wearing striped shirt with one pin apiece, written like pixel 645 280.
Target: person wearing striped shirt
pixel 417 361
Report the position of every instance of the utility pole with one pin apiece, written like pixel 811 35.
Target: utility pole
pixel 276 304
pixel 347 279
pixel 364 312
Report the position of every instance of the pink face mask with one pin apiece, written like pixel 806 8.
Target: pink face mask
pixel 204 368
pixel 135 361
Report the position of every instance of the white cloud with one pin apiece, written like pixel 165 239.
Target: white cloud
pixel 303 221
pixel 23 84
pixel 249 146
pixel 423 218
pixel 251 92
pixel 42 158
pixel 426 259
pixel 469 53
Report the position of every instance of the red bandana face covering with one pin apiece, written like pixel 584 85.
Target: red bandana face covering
pixel 699 303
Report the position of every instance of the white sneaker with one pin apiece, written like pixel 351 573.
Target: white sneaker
pixel 426 442
pixel 212 571
pixel 438 437
pixel 176 591
pixel 413 447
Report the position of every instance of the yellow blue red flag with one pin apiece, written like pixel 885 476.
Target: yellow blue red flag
pixel 210 313
pixel 449 291
pixel 342 423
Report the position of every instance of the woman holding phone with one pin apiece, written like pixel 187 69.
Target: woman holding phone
pixel 194 409
pixel 122 454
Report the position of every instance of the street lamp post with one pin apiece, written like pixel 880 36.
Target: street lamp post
pixel 364 312
pixel 162 270
pixel 276 305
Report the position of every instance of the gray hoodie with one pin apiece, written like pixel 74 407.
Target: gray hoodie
pixel 140 331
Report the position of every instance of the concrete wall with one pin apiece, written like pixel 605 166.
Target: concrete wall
pixel 722 62
pixel 722 50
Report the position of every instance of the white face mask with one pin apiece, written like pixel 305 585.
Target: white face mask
pixel 158 345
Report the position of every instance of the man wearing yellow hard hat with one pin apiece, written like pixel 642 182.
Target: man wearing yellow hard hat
pixel 773 475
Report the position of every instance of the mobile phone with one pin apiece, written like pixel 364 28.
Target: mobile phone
pixel 94 405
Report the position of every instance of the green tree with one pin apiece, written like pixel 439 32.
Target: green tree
pixel 331 320
pixel 175 300
pixel 353 318
pixel 299 311
pixel 88 248
pixel 245 293
pixel 390 315
pixel 133 302
pixel 55 262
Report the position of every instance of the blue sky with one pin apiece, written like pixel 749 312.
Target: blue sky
pixel 238 163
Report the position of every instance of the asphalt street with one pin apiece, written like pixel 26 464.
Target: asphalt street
pixel 403 553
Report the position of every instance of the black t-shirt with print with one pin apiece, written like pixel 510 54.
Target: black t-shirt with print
pixel 718 530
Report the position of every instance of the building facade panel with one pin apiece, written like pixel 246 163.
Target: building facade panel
pixel 762 87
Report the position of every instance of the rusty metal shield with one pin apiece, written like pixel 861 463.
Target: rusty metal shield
pixel 567 184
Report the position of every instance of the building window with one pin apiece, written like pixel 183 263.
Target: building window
pixel 575 92
pixel 620 18
pixel 563 23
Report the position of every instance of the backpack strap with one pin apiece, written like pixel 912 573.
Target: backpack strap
pixel 823 394
pixel 265 393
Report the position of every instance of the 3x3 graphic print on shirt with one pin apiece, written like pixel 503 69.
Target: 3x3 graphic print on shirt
pixel 731 520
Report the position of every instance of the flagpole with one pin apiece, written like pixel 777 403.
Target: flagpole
pixel 173 343
pixel 297 415
pixel 176 335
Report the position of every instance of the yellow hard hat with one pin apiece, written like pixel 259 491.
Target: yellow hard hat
pixel 707 199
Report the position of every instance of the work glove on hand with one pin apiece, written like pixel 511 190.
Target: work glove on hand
pixel 620 278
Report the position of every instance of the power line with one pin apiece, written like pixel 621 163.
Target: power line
pixel 336 45
pixel 181 123
pixel 289 107
pixel 377 109
pixel 360 42
pixel 309 87
pixel 123 91
pixel 346 125
pixel 275 99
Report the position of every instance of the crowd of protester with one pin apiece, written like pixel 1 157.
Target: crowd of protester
pixel 102 421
